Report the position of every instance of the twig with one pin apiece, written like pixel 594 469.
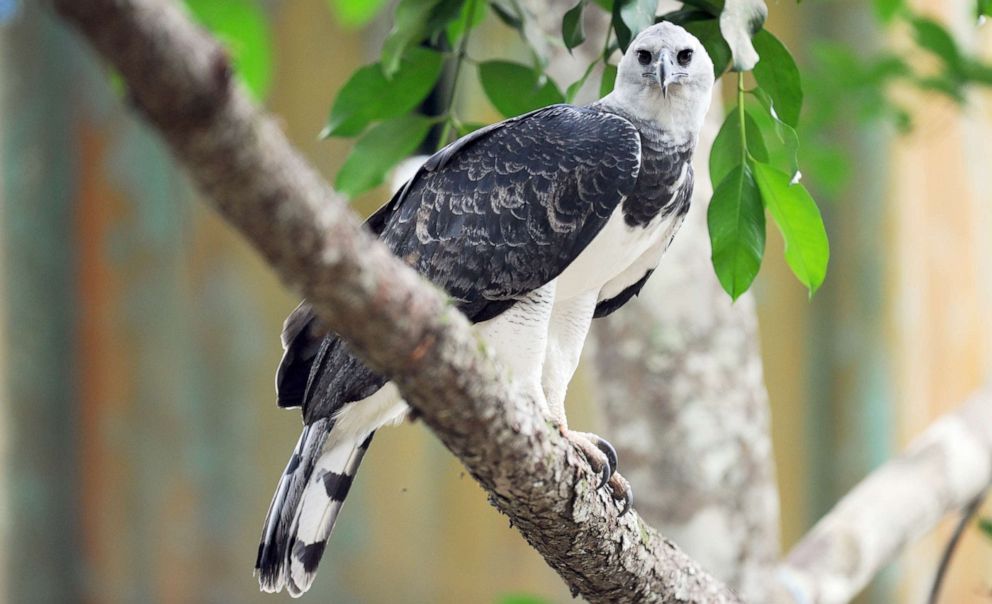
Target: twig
pixel 945 559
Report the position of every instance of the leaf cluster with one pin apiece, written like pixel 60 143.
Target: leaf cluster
pixel 754 168
pixel 852 86
pixel 955 69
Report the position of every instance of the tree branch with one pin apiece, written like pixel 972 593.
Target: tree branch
pixel 941 471
pixel 180 79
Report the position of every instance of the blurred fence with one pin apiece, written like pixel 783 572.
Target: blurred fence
pixel 140 337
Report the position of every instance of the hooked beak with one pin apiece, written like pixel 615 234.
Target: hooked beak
pixel 667 72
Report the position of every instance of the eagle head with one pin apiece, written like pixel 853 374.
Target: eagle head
pixel 666 76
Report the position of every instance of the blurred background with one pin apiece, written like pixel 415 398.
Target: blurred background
pixel 140 438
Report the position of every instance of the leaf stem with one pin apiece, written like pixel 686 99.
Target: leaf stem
pixel 459 59
pixel 740 115
pixel 605 55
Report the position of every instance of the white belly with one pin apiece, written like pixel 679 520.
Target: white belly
pixel 611 252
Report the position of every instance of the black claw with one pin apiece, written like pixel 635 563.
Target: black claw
pixel 628 500
pixel 607 472
pixel 611 455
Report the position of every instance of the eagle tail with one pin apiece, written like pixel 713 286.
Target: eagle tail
pixel 304 508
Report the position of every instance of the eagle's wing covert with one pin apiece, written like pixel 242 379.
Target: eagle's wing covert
pixel 489 218
pixel 499 214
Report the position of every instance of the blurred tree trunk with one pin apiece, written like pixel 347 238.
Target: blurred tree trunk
pixel 678 376
pixel 39 179
pixel 5 503
pixel 851 412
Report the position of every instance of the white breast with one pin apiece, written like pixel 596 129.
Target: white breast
pixel 612 252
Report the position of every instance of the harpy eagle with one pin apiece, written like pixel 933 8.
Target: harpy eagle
pixel 534 226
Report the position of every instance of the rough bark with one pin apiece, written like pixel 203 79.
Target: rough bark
pixel 941 471
pixel 180 80
pixel 680 381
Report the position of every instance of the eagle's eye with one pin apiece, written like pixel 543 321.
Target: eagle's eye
pixel 643 57
pixel 684 57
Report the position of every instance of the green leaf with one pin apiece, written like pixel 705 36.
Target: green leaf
pixel 355 13
pixel 638 15
pixel 620 28
pixel 777 74
pixel 608 80
pixel 736 222
pixel 781 139
pixel 630 17
pixel 368 96
pixel 887 9
pixel 978 72
pixel 383 147
pixel 712 7
pixel 685 15
pixel 466 21
pixel 413 22
pixel 933 37
pixel 573 31
pixel 514 88
pixel 519 18
pixel 983 8
pixel 242 29
pixel 725 153
pixel 944 84
pixel 807 250
pixel 985 525
pixel 708 33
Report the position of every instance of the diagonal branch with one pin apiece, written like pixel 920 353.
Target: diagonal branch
pixel 942 471
pixel 180 79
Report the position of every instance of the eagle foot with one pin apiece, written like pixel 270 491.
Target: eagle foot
pixel 602 457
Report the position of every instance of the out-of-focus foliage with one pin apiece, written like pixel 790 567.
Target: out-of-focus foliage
pixel 859 85
pixel 241 27
pixel 355 13
pixel 985 525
